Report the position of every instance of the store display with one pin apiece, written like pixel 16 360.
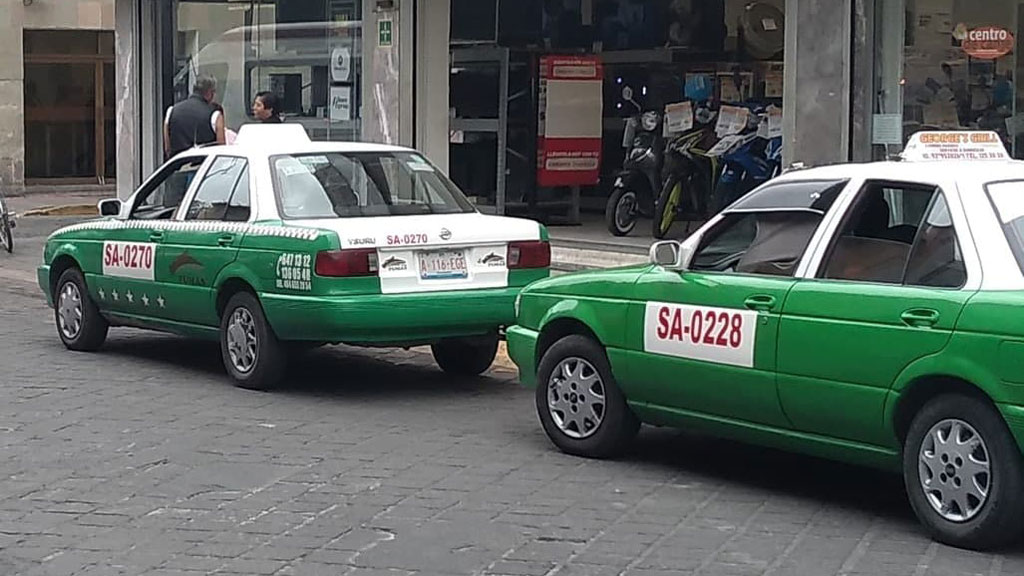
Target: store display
pixel 639 179
pixel 569 120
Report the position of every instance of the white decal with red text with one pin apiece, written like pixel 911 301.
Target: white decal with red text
pixel 129 259
pixel 720 335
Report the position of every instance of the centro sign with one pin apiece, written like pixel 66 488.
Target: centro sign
pixel 989 42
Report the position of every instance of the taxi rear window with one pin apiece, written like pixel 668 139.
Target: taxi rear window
pixel 362 184
pixel 1008 200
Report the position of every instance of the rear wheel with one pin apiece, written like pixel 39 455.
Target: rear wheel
pixel 466 356
pixel 666 206
pixel 252 354
pixel 579 405
pixel 80 325
pixel 621 212
pixel 964 474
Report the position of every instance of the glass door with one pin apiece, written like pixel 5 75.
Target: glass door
pixel 70 132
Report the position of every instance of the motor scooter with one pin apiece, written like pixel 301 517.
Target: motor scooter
pixel 639 181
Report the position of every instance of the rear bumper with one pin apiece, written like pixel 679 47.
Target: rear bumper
pixel 390 318
pixel 522 349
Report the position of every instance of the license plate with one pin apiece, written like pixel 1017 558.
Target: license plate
pixel 443 265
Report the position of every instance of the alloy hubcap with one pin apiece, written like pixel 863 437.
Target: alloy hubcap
pixel 576 398
pixel 243 346
pixel 69 311
pixel 955 470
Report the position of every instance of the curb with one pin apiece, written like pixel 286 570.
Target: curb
pixel 66 210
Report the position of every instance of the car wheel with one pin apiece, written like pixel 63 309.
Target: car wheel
pixel 80 325
pixel 252 353
pixel 963 473
pixel 580 406
pixel 466 356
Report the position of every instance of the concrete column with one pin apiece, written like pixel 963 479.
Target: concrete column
pixel 382 109
pixel 12 96
pixel 433 74
pixel 127 44
pixel 816 119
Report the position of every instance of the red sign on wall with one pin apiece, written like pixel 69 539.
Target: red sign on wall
pixel 989 42
pixel 569 130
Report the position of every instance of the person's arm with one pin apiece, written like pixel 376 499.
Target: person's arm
pixel 167 134
pixel 221 136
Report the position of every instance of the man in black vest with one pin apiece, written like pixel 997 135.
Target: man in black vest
pixel 190 122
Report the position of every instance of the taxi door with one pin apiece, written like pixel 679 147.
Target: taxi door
pixel 210 228
pixel 126 282
pixel 886 290
pixel 710 333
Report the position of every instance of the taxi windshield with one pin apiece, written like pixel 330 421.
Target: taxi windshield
pixel 362 184
pixel 1008 200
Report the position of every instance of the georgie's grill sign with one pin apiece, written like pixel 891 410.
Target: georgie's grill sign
pixel 988 42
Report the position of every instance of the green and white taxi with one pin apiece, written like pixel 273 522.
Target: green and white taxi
pixel 276 244
pixel 869 313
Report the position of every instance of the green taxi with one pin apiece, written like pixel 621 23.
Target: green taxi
pixel 275 245
pixel 871 313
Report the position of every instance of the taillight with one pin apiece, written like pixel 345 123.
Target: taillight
pixel 347 263
pixel 529 255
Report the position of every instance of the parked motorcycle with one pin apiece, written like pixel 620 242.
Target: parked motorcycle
pixel 749 159
pixel 690 175
pixel 640 178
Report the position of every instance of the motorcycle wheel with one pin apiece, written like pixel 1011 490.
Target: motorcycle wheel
pixel 666 206
pixel 621 212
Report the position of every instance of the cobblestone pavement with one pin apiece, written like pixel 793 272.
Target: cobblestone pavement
pixel 144 459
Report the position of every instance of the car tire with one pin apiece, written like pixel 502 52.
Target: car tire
pixel 466 356
pixel 251 352
pixel 80 325
pixel 990 522
pixel 616 427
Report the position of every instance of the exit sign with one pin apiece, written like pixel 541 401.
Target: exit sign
pixel 385 33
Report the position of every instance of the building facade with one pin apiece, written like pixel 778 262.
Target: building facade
pixel 464 80
pixel 57 78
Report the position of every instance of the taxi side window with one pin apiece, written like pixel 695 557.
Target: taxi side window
pixel 162 196
pixel 224 192
pixel 764 242
pixel 897 234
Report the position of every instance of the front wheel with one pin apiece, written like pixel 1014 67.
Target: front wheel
pixel 252 354
pixel 579 405
pixel 80 325
pixel 963 473
pixel 466 356
pixel 667 205
pixel 621 212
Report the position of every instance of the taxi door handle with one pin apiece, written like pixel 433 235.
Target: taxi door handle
pixel 920 317
pixel 760 302
pixel 225 239
pixel 156 236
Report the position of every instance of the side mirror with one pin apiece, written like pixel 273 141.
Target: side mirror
pixel 671 255
pixel 109 207
pixel 627 93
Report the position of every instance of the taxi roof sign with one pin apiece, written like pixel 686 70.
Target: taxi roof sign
pixel 255 134
pixel 954 145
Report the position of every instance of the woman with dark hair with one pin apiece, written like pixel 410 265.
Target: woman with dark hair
pixel 267 108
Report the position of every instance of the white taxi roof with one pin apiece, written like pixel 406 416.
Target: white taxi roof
pixel 256 140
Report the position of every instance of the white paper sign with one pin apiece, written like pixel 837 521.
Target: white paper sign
pixel 341 103
pixel 774 122
pixel 341 64
pixel 940 146
pixel 678 117
pixel 731 120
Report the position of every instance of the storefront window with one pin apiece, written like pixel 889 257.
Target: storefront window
pixel 307 52
pixel 946 65
pixel 521 109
